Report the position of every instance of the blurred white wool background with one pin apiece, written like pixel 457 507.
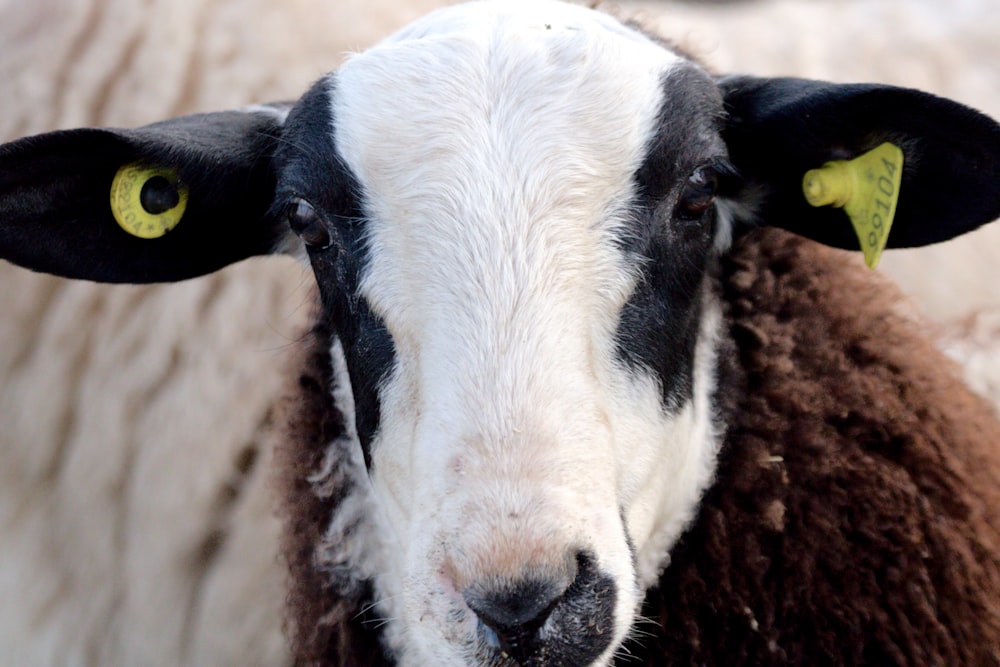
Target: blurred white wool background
pixel 137 423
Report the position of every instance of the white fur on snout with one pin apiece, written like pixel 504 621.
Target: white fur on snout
pixel 496 145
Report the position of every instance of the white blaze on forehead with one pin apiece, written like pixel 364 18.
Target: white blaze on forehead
pixel 495 130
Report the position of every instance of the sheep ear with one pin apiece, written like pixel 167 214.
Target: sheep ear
pixel 779 129
pixel 206 180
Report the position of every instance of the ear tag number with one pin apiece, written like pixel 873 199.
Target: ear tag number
pixel 147 201
pixel 867 188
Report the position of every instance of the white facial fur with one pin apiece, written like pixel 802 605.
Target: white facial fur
pixel 496 145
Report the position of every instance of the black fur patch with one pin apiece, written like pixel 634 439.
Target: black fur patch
pixel 312 169
pixel 659 325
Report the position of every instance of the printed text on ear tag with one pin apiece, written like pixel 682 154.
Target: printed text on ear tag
pixel 147 201
pixel 867 188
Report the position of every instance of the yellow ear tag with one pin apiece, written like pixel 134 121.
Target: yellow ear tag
pixel 867 188
pixel 147 201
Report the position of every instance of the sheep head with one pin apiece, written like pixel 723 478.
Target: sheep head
pixel 513 212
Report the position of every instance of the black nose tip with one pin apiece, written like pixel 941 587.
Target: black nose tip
pixel 515 610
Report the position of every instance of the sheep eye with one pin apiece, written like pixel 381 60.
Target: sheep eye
pixel 307 224
pixel 698 194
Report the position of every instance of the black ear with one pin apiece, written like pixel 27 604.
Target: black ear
pixel 778 129
pixel 56 197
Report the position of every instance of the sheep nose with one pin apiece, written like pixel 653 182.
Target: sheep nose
pixel 516 609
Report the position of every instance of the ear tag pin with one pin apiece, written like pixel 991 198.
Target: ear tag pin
pixel 867 188
pixel 147 201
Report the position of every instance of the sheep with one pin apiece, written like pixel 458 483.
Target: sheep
pixel 772 512
pixel 164 611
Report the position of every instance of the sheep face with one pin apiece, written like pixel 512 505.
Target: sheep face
pixel 501 303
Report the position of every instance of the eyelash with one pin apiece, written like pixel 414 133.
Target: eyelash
pixel 308 224
pixel 701 189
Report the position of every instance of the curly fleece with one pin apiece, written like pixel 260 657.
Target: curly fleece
pixel 856 515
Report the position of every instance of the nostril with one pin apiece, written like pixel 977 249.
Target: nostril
pixel 519 607
pixel 516 609
pixel 574 604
